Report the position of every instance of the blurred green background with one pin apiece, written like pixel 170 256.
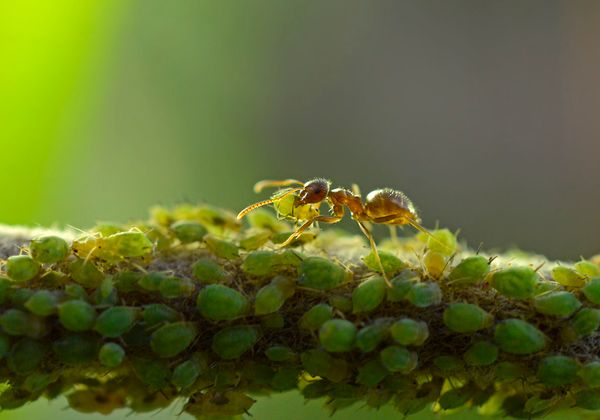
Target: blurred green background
pixel 484 113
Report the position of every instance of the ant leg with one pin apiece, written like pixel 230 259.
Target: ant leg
pixel 374 250
pixel 306 225
pixel 261 185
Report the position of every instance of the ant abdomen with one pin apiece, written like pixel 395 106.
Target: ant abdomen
pixel 389 206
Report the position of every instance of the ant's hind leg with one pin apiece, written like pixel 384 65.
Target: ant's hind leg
pixel 306 225
pixel 375 252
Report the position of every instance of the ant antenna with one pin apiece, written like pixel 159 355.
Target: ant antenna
pixel 261 185
pixel 265 202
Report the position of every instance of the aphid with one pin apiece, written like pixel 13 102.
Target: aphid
pixel 76 349
pixel 272 296
pixel 456 397
pixel 221 303
pixel 171 339
pixel 115 321
pixel 286 378
pixel 25 355
pixel 111 355
pixel 85 273
pixel 151 281
pixel 231 342
pixel 21 268
pixel 401 285
pixel 42 303
pixel 590 374
pixel 568 277
pixel 470 271
pixel 316 316
pixel 279 353
pixel 559 303
pixel 466 318
pixel 398 359
pixel 152 372
pixel 585 322
pixel 221 248
pixel 342 303
pixel 369 337
pixel 208 271
pixel 188 231
pixel 76 315
pixel 382 206
pixel 407 331
pixel 157 313
pixel 588 399
pixel 321 273
pixel 435 263
pixel 337 335
pixel 481 353
pixel 447 363
pixel 49 249
pixel 554 371
pixel 592 290
pixel 113 248
pixel 424 294
pixel 173 287
pixel 519 337
pixel 18 322
pixel 187 372
pixel 372 373
pixel 390 263
pixel 368 295
pixel 515 282
pixel 587 269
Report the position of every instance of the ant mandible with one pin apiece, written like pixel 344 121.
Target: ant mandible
pixel 381 206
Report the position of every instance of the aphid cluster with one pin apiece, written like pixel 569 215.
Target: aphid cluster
pixel 194 306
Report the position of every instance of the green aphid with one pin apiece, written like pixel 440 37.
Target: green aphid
pixel 76 349
pixel 456 397
pixel 590 374
pixel 509 371
pixel 424 294
pixel 115 321
pixel 161 216
pixel 37 381
pixel 188 231
pixel 25 355
pixel 158 313
pixel 391 264
pixel 544 286
pixel 255 241
pixel 372 373
pixel 173 287
pixel 481 353
pixel 5 289
pixel 401 285
pixel 270 298
pixel 448 364
pixel 221 303
pixel 470 271
pixel 186 373
pixel 273 321
pixel 263 219
pixel 368 295
pixel 337 335
pixel 18 322
pixel 321 273
pixel 231 342
pixel 568 277
pixel 592 290
pixel 554 371
pixel 261 263
pixel 466 318
pixel 21 268
pixel 171 339
pixel 278 353
pixel 20 296
pixel 515 282
pixel 106 294
pixel 127 281
pixel 409 332
pixel 316 389
pixel 316 316
pixel 54 279
pixel 369 337
pixel 435 263
pixel 281 237
pixel 42 303
pixel 85 273
pixel 221 248
pixel 208 271
pixel 153 373
pixel 342 303
pixel 538 405
pixel 285 379
pixel 560 303
pixel 107 229
pixel 49 249
pixel 587 269
pixel 130 244
pixel 76 315
pixel 519 337
pixel 588 399
pixel 443 241
pixel 4 345
pixel 398 359
pixel 151 281
pixel 75 291
pixel 111 355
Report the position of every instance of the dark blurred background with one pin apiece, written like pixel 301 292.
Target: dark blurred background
pixel 484 113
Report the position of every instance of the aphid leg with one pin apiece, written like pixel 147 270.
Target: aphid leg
pixel 265 202
pixel 261 185
pixel 307 224
pixel 369 236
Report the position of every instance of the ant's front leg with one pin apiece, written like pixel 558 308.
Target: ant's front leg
pixel 308 223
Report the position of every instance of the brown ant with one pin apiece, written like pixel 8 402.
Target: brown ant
pixel 381 206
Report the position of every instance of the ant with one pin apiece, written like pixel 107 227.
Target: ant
pixel 381 206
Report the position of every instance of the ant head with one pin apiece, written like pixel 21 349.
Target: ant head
pixel 313 192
